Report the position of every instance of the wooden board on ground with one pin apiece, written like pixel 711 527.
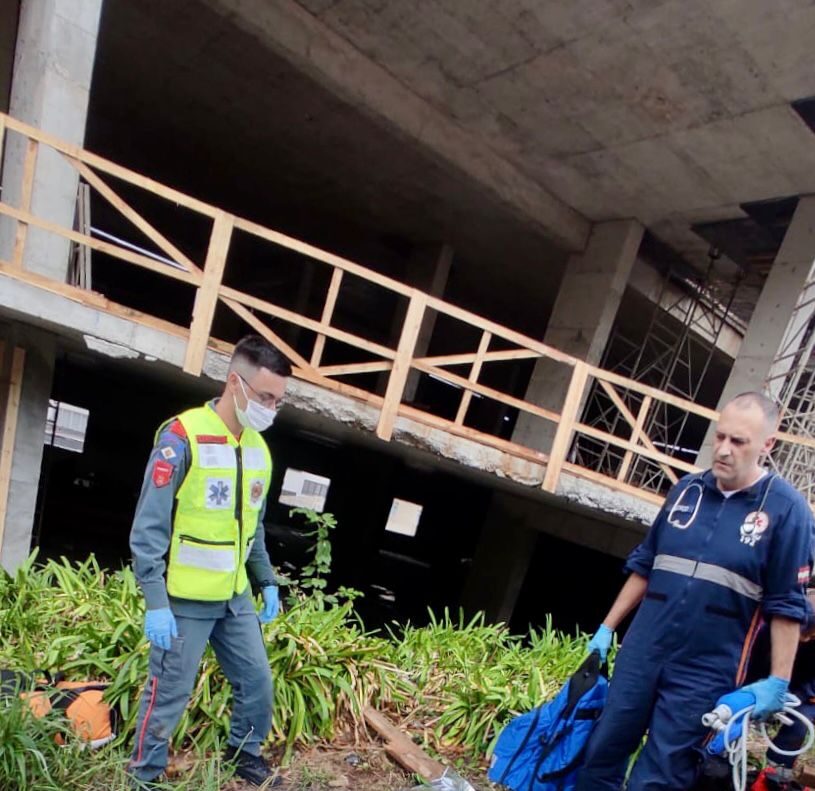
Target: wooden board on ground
pixel 402 748
pixel 806 775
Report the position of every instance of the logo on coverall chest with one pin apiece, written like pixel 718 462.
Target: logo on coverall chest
pixel 753 528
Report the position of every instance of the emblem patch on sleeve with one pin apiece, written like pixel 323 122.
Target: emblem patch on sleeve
pixel 754 526
pixel 162 473
pixel 167 452
pixel 804 574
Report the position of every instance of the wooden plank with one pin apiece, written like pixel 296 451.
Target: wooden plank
pixel 469 357
pixel 161 241
pixel 105 165
pixel 401 365
pixel 565 429
pixel 488 392
pixel 9 431
pixel 657 395
pixel 309 324
pixel 640 422
pixel 26 191
pixel 206 298
pixel 262 329
pixel 193 278
pixel 328 313
pixel 321 255
pixel 402 748
pixel 355 368
pixel 613 483
pixel 475 372
pixel 501 332
pixel 636 425
pixel 655 455
pixel 95 300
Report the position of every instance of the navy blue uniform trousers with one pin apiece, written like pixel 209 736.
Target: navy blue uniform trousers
pixel 238 644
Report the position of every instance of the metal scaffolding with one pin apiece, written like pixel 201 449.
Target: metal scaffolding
pixel 791 382
pixel 674 355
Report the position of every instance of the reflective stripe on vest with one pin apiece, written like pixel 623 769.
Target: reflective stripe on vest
pixel 217 509
pixel 207 559
pixel 710 573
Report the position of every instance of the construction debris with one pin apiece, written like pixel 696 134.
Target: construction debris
pixel 410 756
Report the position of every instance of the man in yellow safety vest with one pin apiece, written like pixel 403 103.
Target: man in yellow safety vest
pixel 198 547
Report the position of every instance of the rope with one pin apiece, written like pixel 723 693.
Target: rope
pixel 737 748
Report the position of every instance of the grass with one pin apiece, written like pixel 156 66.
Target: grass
pixel 454 683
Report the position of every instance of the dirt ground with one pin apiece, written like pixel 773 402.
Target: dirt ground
pixel 334 767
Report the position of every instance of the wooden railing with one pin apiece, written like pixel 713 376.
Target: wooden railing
pixel 497 343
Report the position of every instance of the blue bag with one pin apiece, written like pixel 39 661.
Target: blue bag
pixel 543 749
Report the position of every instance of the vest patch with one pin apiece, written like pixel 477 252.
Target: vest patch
pixel 211 439
pixel 219 493
pixel 214 456
pixel 162 473
pixel 253 458
pixel 256 491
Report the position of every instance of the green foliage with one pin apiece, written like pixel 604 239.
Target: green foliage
pixel 471 677
pixel 456 682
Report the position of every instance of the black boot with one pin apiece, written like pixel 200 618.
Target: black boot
pixel 252 768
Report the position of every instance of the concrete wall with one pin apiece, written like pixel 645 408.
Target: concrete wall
pixel 40 348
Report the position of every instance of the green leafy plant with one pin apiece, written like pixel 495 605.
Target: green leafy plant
pixel 455 682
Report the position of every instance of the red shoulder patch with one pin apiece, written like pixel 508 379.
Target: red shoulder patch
pixel 162 472
pixel 211 439
pixel 177 428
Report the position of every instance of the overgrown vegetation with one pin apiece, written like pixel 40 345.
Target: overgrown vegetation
pixel 455 682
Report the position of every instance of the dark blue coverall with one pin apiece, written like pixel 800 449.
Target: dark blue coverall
pixel 714 568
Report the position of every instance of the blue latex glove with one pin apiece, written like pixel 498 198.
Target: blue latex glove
pixel 601 641
pixel 160 627
pixel 271 604
pixel 770 694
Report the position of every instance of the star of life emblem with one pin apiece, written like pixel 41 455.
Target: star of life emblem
pixel 218 493
pixel 753 528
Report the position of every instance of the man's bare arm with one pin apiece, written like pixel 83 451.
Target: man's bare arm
pixel 784 637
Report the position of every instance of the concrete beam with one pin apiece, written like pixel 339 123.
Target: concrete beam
pixel 650 283
pixel 126 338
pixel 301 38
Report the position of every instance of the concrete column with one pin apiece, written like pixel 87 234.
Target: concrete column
pixel 584 311
pixel 773 317
pixel 500 564
pixel 40 348
pixel 53 65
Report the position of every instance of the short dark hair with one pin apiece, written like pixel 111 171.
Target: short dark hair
pixel 753 398
pixel 259 353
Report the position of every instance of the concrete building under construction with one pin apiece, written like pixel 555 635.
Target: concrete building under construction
pixel 517 252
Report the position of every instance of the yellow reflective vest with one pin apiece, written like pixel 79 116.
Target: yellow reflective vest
pixel 217 508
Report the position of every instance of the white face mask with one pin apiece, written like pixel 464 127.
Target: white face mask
pixel 255 415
